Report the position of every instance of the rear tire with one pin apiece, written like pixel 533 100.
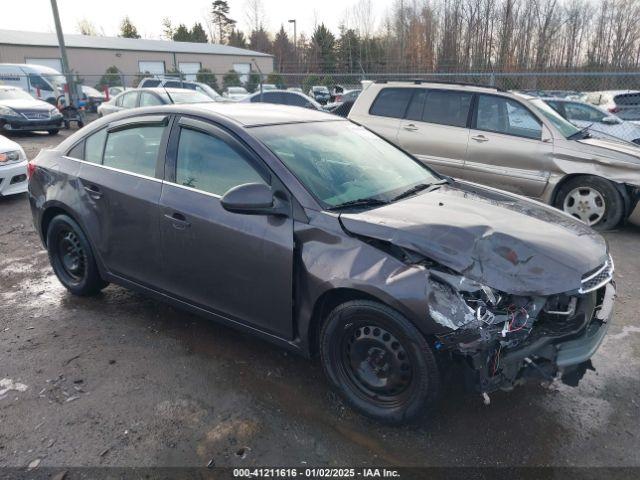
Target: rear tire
pixel 379 361
pixel 71 257
pixel 594 200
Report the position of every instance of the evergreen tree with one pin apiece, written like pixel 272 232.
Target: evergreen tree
pixel 128 29
pixel 206 76
pixel 198 34
pixel 323 45
pixel 181 34
pixel 220 18
pixel 231 79
pixel 237 39
pixel 259 41
pixel 284 51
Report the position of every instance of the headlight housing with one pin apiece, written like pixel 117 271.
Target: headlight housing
pixel 11 156
pixel 7 111
pixel 54 111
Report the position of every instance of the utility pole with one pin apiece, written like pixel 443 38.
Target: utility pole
pixel 72 97
pixel 295 39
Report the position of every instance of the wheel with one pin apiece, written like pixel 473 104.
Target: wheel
pixel 80 124
pixel 593 200
pixel 67 125
pixel 72 258
pixel 53 131
pixel 379 361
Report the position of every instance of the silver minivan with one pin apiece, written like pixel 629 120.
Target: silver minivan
pixel 508 141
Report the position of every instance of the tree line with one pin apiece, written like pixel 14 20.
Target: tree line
pixel 422 36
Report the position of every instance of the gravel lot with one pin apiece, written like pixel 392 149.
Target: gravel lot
pixel 122 380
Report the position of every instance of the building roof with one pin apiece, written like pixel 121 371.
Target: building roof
pixel 42 39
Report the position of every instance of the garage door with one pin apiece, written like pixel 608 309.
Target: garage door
pixel 154 68
pixel 189 69
pixel 54 63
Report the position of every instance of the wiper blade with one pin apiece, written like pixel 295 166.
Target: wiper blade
pixel 580 134
pixel 360 202
pixel 420 187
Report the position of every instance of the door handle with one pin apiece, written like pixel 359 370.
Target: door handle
pixel 480 138
pixel 410 127
pixel 178 220
pixel 93 191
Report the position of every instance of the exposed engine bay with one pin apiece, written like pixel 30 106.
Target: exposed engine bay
pixel 503 339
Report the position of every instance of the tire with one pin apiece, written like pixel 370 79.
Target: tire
pixel 80 124
pixel 397 377
pixel 67 125
pixel 71 257
pixel 53 131
pixel 594 200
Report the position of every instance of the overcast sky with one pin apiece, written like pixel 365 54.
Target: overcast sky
pixel 147 15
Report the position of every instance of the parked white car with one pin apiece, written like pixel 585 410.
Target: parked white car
pixel 43 83
pixel 623 103
pixel 235 93
pixel 601 124
pixel 13 168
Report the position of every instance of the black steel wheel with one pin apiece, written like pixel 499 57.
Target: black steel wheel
pixel 379 361
pixel 71 257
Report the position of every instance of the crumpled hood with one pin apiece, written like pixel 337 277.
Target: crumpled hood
pixel 506 242
pixel 630 152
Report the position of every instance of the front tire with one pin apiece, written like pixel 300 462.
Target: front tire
pixel 594 200
pixel 379 361
pixel 71 257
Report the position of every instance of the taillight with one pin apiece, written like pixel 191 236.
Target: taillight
pixel 614 110
pixel 31 169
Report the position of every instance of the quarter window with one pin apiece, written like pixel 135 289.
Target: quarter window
pixel 391 102
pixel 134 149
pixel 94 145
pixel 501 115
pixel 209 164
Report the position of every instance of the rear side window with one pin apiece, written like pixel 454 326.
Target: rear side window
pixel 209 164
pixel 134 149
pixel 295 100
pixel 447 108
pixel 129 100
pixel 94 145
pixel 149 99
pixel 391 102
pixel 150 83
pixel 501 115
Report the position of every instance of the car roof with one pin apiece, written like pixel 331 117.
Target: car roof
pixel 257 114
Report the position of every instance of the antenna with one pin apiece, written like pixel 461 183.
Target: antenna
pixel 166 91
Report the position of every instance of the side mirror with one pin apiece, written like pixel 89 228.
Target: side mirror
pixel 252 199
pixel 610 120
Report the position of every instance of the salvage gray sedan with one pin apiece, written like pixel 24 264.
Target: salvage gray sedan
pixel 318 235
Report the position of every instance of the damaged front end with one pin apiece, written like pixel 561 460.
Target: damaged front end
pixel 501 340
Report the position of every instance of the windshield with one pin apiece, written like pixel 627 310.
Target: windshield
pixel 207 90
pixel 189 96
pixel 339 162
pixel 13 94
pixel 566 129
pixel 56 80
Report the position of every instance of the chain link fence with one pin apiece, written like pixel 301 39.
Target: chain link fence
pixel 615 93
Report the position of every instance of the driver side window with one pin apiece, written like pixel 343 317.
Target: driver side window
pixel 208 163
pixel 575 111
pixel 502 115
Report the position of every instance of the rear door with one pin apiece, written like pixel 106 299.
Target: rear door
pixel 120 179
pixel 505 147
pixel 237 266
pixel 435 129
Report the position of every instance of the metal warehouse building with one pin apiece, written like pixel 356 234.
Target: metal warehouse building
pixel 90 56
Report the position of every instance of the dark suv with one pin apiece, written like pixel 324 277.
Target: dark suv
pixel 318 235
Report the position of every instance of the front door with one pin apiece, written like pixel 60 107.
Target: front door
pixel 435 129
pixel 235 265
pixel 506 149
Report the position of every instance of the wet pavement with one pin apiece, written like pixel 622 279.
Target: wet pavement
pixel 123 380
